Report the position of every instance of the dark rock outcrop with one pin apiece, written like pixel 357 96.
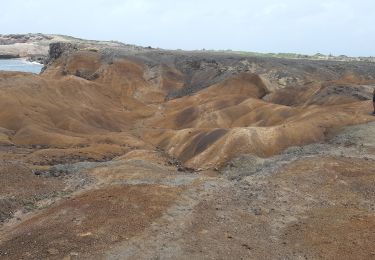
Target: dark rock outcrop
pixel 56 49
pixel 8 56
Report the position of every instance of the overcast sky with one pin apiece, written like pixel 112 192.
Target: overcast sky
pixel 302 26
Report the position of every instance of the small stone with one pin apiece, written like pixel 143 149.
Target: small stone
pixel 37 172
pixel 247 246
pixel 53 251
pixel 257 211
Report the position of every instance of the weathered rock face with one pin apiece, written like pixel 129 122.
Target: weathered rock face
pixel 184 73
pixel 58 48
pixel 31 46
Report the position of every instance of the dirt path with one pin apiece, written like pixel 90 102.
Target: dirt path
pixel 315 202
pixel 312 202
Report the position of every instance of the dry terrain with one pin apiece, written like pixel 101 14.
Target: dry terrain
pixel 118 152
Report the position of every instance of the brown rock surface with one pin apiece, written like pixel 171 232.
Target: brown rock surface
pixel 128 153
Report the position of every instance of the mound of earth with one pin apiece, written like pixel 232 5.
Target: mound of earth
pixel 121 152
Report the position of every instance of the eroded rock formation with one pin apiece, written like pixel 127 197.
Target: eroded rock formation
pixel 126 152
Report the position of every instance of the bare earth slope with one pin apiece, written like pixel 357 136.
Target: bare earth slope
pixel 115 152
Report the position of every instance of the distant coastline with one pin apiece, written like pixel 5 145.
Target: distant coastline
pixel 35 47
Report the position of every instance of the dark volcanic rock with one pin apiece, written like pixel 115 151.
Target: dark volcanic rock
pixel 58 48
pixel 8 56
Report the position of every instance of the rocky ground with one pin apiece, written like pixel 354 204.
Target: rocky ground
pixel 310 202
pixel 130 153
